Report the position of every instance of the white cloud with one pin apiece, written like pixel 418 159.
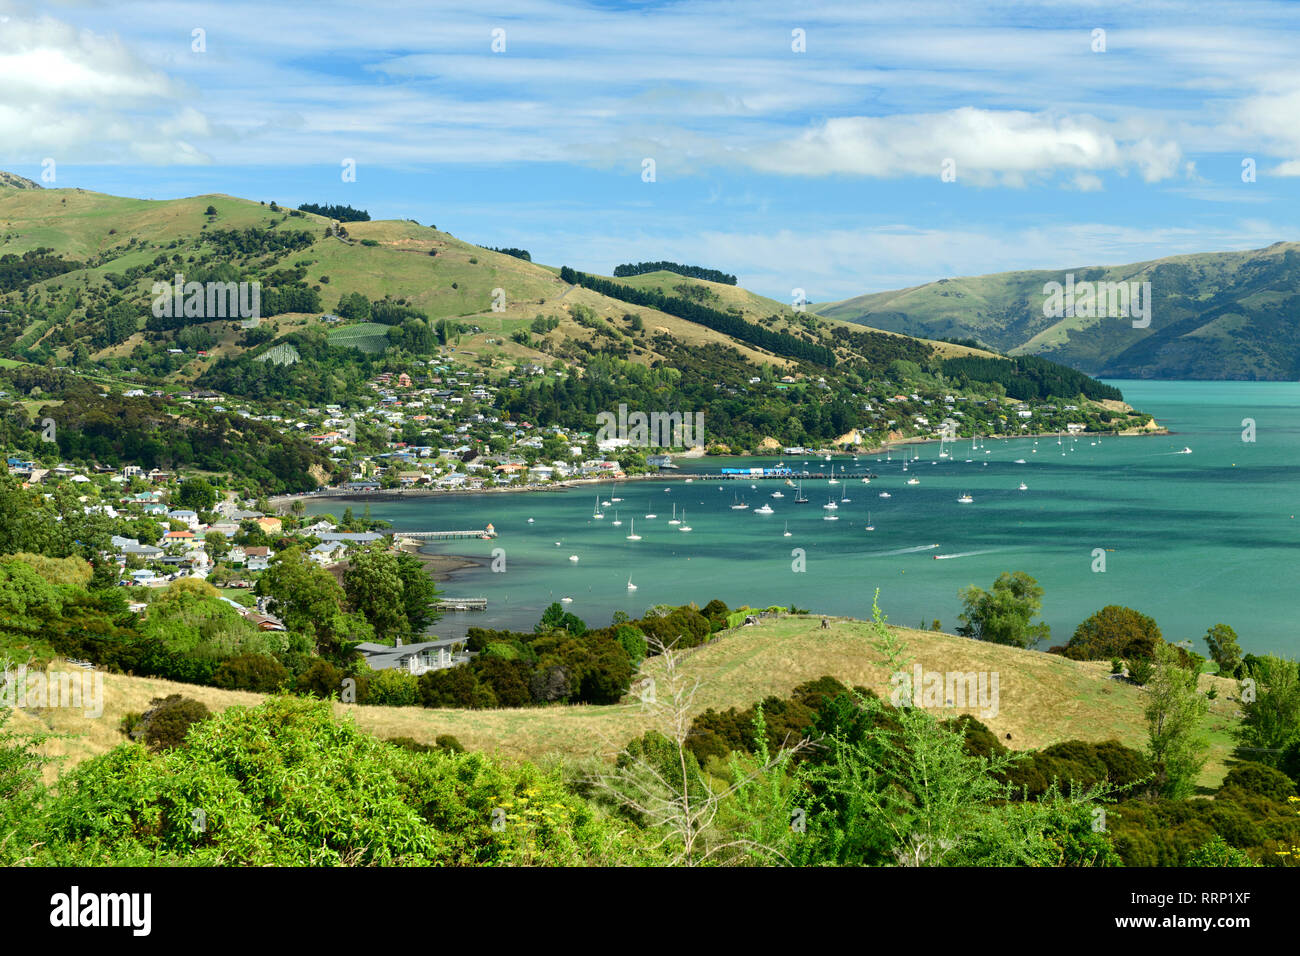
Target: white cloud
pixel 81 96
pixel 984 144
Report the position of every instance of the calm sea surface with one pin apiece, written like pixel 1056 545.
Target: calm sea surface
pixel 1190 539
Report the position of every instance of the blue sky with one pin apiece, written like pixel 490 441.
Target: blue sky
pixel 817 168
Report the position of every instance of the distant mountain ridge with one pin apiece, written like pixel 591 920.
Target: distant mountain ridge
pixel 1216 315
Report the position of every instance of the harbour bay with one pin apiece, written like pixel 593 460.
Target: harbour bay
pixel 1188 538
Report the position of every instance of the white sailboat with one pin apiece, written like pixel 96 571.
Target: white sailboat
pixel 616 522
pixel 870 526
pixel 630 585
pixel 685 526
pixel 737 504
pixel 673 519
pixel 634 536
pixel 597 513
pixel 650 514
pixel 787 531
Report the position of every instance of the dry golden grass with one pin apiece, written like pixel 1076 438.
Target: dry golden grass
pixel 1043 699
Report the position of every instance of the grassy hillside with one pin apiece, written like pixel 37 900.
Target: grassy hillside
pixel 1043 699
pixel 1228 315
pixel 119 247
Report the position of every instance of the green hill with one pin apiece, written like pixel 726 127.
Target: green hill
pixel 106 251
pixel 1222 315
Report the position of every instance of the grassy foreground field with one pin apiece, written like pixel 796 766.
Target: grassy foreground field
pixel 1043 699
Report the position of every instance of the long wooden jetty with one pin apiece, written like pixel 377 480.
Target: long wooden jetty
pixel 488 532
pixel 792 476
pixel 462 604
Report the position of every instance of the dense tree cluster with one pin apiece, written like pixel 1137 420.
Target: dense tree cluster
pixel 115 430
pixel 323 374
pixel 1030 378
pixel 691 272
pixel 511 251
pixel 36 265
pixel 336 211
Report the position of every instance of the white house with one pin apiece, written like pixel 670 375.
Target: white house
pixel 189 518
pixel 415 658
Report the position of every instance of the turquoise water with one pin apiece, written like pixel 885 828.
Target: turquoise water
pixel 1190 539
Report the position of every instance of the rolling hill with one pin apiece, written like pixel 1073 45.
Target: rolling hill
pixel 1043 698
pixel 1221 315
pixel 99 251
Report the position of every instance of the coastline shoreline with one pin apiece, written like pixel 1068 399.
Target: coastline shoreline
pixel 397 494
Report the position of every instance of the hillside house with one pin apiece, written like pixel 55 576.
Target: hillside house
pixel 415 658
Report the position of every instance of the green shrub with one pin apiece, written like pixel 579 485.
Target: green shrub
pixel 1257 778
pixel 130 723
pixel 165 724
pixel 1140 670
pixel 393 688
pixel 287 783
pixel 1217 852
pixel 255 672
pixel 632 641
pixel 322 680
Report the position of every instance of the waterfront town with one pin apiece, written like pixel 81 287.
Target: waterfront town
pixel 435 428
